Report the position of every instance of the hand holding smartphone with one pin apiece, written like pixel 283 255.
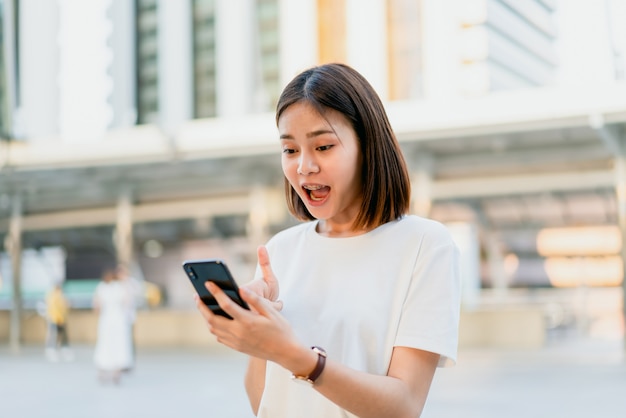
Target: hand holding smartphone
pixel 216 271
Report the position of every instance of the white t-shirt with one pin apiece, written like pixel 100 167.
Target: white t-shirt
pixel 358 298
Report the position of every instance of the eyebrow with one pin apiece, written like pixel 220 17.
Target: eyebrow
pixel 311 134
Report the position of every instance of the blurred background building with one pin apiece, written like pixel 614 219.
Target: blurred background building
pixel 141 132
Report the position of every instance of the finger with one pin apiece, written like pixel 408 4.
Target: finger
pixel 278 305
pixel 266 270
pixel 223 300
pixel 257 303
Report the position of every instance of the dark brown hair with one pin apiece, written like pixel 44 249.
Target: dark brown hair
pixel 386 184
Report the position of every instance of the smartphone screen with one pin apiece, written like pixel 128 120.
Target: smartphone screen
pixel 216 271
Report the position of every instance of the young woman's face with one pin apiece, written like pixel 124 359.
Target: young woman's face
pixel 322 161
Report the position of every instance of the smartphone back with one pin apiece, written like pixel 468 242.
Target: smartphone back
pixel 216 271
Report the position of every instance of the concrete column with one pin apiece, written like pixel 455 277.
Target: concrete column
pixel 14 245
pixel 366 33
pixel 123 71
pixel 123 235
pixel 422 184
pixel 298 37
pixel 440 49
pixel 37 113
pixel 85 56
pixel 234 50
pixel 9 68
pixel 175 64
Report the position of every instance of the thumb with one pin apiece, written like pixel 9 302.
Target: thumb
pixel 255 302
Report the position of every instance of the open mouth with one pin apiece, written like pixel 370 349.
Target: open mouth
pixel 316 192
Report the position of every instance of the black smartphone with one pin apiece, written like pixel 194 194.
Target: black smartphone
pixel 216 271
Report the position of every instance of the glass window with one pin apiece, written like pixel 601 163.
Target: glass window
pixel 4 102
pixel 4 92
pixel 268 45
pixel 204 58
pixel 147 61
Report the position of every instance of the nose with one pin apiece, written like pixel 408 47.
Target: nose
pixel 307 164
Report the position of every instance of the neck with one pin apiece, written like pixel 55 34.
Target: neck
pixel 335 230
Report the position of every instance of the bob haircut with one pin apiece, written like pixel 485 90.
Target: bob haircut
pixel 386 184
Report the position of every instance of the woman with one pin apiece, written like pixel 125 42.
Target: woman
pixel 114 348
pixel 370 295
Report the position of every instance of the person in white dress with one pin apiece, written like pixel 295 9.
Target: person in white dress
pixel 114 350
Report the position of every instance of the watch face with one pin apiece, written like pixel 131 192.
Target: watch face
pixel 302 380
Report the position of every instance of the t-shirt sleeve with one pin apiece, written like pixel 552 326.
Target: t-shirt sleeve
pixel 430 315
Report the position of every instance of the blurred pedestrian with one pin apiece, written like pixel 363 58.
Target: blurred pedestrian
pixel 135 294
pixel 57 311
pixel 114 351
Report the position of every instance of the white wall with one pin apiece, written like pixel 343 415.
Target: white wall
pixel 37 113
pixel 583 43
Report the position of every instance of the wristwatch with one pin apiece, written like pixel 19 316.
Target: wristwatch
pixel 317 371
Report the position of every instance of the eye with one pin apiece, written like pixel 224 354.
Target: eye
pixel 324 147
pixel 288 151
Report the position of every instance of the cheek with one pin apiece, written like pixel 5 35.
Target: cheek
pixel 289 169
pixel 352 169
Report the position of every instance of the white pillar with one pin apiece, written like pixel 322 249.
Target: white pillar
pixel 175 64
pixel 37 113
pixel 421 187
pixel 366 33
pixel 440 49
pixel 235 71
pixel 84 80
pixel 8 58
pixel 123 66
pixel 298 37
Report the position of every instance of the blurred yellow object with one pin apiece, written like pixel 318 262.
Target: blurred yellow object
pixel 57 306
pixel 153 294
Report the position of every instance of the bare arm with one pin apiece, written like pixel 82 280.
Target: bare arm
pixel 255 382
pixel 402 393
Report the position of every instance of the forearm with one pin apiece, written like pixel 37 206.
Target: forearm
pixel 368 395
pixel 255 382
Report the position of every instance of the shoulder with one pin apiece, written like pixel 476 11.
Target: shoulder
pixel 427 231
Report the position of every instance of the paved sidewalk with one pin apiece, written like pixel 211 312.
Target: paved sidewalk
pixel 574 379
